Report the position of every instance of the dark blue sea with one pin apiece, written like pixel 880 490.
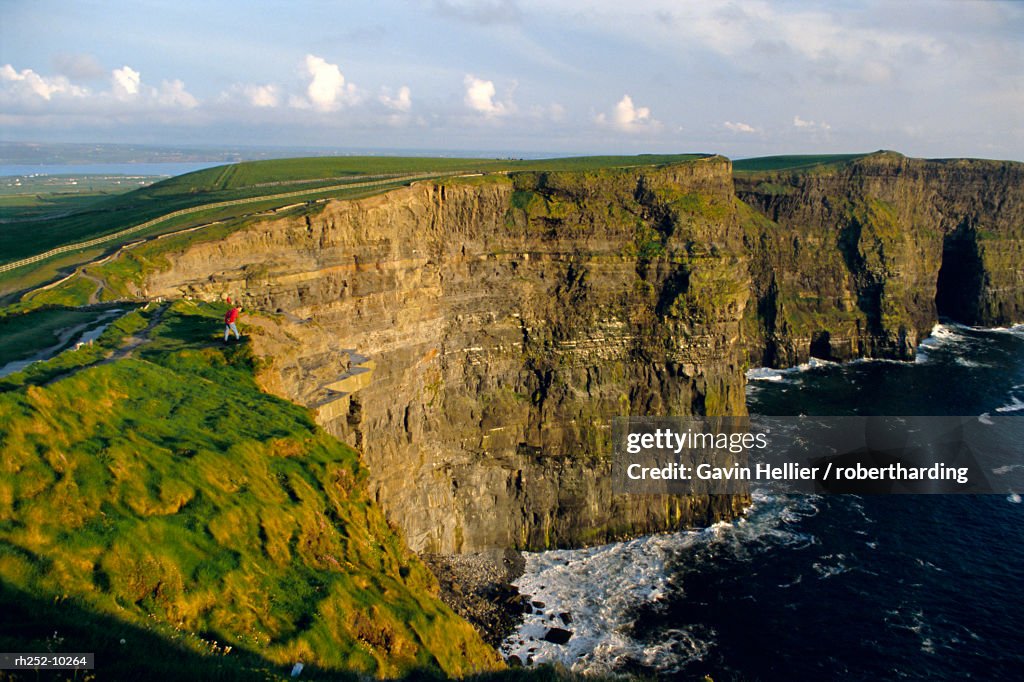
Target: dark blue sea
pixel 816 587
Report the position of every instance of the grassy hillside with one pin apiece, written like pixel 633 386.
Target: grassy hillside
pixel 158 496
pixel 792 162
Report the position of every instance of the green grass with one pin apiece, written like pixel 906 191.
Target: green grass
pixel 47 196
pixel 165 493
pixel 792 162
pixel 583 163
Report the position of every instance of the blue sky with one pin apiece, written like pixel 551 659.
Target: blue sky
pixel 739 78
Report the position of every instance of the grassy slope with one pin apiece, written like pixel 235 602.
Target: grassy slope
pixel 792 162
pixel 53 195
pixel 165 495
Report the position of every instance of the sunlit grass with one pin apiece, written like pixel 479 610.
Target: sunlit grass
pixel 167 488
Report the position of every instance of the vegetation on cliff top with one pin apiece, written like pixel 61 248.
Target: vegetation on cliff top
pixel 793 162
pixel 158 497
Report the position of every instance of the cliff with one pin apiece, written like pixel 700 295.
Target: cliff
pixel 474 338
pixel 860 259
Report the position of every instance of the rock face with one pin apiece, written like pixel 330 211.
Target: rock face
pixel 860 260
pixel 473 339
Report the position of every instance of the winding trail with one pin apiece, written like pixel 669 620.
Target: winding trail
pixel 133 342
pixel 94 297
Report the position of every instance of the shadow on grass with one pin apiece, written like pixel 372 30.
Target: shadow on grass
pixel 33 625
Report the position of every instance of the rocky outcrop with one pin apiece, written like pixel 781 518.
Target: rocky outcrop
pixel 861 259
pixel 474 338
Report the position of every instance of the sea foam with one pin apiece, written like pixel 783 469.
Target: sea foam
pixel 601 589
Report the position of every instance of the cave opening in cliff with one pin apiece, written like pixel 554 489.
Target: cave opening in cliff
pixel 821 346
pixel 959 285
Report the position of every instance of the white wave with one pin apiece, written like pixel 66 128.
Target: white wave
pixel 579 583
pixel 965 362
pixel 600 589
pixel 886 361
pixel 1013 498
pixel 812 364
pixel 941 336
pixel 1016 405
pixel 764 374
pixel 944 333
pixel 986 419
pixel 772 374
pixel 1015 330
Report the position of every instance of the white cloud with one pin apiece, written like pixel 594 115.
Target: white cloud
pixel 738 127
pixel 173 94
pixel 127 93
pixel 813 33
pixel 628 117
pixel 327 90
pixel 261 96
pixel 402 102
pixel 126 81
pixel 480 96
pixel 29 82
pixel 810 125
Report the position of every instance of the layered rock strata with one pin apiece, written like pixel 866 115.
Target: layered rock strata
pixel 861 259
pixel 473 339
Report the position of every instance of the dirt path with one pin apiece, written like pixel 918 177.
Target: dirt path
pixel 133 342
pixel 94 297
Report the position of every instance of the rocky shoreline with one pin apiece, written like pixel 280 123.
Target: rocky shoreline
pixel 478 587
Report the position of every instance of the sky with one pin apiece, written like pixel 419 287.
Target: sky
pixel 742 78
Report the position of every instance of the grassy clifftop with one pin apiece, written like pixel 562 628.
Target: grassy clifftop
pixel 148 484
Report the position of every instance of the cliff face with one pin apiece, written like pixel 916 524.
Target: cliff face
pixel 861 260
pixel 473 340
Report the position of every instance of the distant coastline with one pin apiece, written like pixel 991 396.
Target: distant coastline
pixel 133 169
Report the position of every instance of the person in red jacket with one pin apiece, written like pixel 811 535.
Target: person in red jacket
pixel 229 323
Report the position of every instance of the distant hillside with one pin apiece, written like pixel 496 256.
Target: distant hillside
pixel 792 162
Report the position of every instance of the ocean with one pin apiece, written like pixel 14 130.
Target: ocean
pixel 815 587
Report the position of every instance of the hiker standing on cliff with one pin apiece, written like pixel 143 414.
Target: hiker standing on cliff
pixel 229 323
